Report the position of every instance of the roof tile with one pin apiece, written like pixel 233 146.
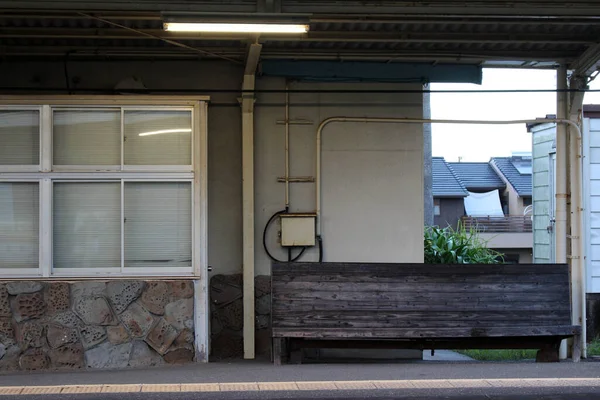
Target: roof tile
pixel 445 182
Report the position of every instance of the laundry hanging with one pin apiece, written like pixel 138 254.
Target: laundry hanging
pixel 484 204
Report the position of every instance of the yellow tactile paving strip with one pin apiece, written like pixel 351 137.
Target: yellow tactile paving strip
pixel 304 385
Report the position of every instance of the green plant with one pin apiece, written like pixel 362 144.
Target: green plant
pixel 593 348
pixel 457 246
pixel 499 355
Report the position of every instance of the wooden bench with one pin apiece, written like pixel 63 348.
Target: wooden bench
pixel 417 306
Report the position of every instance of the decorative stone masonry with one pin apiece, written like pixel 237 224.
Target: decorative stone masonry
pixel 227 316
pixel 94 325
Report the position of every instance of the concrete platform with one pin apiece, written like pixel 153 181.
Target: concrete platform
pixel 445 355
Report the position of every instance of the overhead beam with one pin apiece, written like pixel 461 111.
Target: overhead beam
pixel 521 8
pixel 556 22
pixel 517 58
pixel 588 63
pixel 314 36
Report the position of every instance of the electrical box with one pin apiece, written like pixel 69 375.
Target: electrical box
pixel 297 230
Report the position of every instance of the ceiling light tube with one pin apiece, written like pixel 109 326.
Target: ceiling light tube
pixel 185 130
pixel 234 27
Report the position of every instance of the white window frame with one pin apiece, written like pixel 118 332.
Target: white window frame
pixel 46 174
pixel 122 166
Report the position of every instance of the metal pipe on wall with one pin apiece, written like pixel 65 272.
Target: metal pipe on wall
pixel 327 121
pixel 287 146
pixel 577 263
pixel 560 216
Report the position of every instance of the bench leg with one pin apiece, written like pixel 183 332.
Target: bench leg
pixel 576 353
pixel 278 350
pixel 548 354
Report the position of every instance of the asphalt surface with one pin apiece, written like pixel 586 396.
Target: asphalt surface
pixel 257 371
pixel 423 380
pixel 513 394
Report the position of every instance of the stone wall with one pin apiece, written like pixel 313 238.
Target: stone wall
pixel 95 325
pixel 227 316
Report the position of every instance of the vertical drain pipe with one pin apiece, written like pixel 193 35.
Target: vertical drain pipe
pixel 561 177
pixel 247 103
pixel 578 288
pixel 287 146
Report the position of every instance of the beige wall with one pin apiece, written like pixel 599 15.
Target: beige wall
pixel 368 170
pixel 515 202
pixel 372 174
pixel 510 240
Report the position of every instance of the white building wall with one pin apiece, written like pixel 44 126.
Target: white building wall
pixel 543 138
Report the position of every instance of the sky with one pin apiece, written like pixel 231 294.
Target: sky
pixel 481 142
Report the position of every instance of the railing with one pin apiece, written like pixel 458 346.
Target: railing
pixel 509 223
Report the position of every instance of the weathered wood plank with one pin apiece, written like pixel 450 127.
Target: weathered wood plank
pixel 375 324
pixel 427 287
pixel 491 278
pixel 407 306
pixel 422 297
pixel 298 269
pixel 506 317
pixel 441 333
pixel 430 314
pixel 515 342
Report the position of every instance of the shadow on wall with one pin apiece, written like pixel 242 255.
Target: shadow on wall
pixel 227 316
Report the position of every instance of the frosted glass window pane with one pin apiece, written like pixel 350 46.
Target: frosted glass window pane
pixel 158 224
pixel 90 137
pixel 87 225
pixel 20 137
pixel 158 137
pixel 19 225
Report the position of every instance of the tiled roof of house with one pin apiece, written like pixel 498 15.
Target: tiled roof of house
pixel 517 170
pixel 477 175
pixel 445 182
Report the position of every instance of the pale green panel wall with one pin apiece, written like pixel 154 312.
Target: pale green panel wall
pixel 542 147
pixel 540 163
pixel 540 179
pixel 542 253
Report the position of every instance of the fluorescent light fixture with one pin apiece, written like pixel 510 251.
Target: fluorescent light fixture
pixel 185 130
pixel 233 27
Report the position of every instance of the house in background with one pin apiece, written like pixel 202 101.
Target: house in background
pixel 481 177
pixel 515 171
pixel 491 197
pixel 448 194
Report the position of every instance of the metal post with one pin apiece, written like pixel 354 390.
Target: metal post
pixel 561 177
pixel 427 162
pixel 248 196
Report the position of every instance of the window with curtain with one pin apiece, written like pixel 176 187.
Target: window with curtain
pixel 157 137
pixel 112 194
pixel 158 224
pixel 87 225
pixel 86 137
pixel 19 225
pixel 19 137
